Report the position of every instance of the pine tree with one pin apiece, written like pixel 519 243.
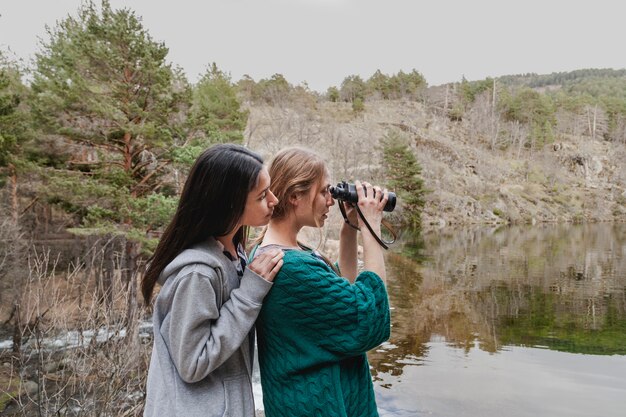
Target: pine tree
pixel 103 85
pixel 216 113
pixel 14 128
pixel 404 176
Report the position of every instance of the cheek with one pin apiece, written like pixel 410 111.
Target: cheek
pixel 320 203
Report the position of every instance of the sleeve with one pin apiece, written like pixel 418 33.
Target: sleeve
pixel 200 336
pixel 346 319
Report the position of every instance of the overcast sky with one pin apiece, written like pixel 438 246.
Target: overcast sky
pixel 323 41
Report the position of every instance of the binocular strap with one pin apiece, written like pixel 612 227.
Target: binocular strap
pixel 380 241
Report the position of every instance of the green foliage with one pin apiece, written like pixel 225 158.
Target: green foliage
pixel 332 94
pixel 216 111
pixel 101 80
pixel 186 155
pixel 14 116
pixel 104 204
pixel 103 85
pixel 575 90
pixel 357 105
pixel 403 174
pixel 382 86
pixel 353 87
pixel 533 108
pixel 470 90
pixel 560 78
pixel 456 112
pixel 379 84
pixel 408 86
pixel 541 322
pixel 272 91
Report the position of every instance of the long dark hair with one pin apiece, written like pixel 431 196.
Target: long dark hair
pixel 211 204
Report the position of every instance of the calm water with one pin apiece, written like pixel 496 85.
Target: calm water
pixel 516 321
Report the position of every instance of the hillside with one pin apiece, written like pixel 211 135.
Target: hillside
pixel 572 179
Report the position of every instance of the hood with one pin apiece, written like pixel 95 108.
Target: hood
pixel 202 253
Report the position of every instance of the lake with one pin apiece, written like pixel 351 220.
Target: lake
pixel 515 321
pixel 509 321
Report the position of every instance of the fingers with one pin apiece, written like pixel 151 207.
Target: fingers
pixel 360 190
pixel 268 264
pixel 372 201
pixel 377 192
pixel 274 271
pixel 384 199
pixel 366 191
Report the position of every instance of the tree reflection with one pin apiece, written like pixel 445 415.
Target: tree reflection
pixel 559 287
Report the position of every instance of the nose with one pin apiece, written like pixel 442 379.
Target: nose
pixel 331 201
pixel 272 200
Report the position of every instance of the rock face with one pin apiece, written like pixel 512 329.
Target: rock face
pixel 470 180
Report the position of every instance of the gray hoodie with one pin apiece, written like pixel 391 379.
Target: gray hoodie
pixel 201 362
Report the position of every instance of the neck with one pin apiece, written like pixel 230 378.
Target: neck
pixel 227 241
pixel 282 232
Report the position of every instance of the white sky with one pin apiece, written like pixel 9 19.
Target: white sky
pixel 323 41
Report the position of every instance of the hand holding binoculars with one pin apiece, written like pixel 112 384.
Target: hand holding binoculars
pixel 347 192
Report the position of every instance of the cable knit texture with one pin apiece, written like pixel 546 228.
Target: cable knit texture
pixel 314 330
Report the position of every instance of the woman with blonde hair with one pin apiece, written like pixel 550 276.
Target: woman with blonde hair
pixel 319 319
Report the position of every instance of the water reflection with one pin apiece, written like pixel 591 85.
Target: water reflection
pixel 555 287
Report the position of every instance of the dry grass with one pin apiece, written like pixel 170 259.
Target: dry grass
pixel 75 352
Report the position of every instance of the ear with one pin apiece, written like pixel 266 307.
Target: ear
pixel 294 199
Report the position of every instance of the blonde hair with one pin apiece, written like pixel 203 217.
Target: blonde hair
pixel 294 171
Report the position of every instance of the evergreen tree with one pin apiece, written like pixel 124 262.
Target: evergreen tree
pixel 534 109
pixel 332 94
pixel 14 129
pixel 273 91
pixel 357 105
pixel 352 87
pixel 404 177
pixel 103 85
pixel 216 112
pixel 379 84
pixel 410 86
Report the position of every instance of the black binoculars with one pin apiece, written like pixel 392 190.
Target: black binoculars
pixel 347 192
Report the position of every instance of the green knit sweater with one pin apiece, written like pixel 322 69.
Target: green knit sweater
pixel 314 330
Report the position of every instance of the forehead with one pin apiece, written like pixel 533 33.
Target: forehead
pixel 263 180
pixel 325 182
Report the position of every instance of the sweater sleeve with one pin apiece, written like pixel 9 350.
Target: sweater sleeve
pixel 343 318
pixel 199 335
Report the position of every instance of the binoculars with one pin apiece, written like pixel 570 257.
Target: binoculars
pixel 347 192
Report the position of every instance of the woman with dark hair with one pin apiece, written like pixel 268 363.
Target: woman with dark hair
pixel 203 316
pixel 319 319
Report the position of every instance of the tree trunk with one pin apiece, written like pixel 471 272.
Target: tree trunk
pixel 494 125
pixel 17 327
pixel 132 251
pixel 14 201
pixel 128 161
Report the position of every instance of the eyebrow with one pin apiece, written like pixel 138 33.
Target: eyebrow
pixel 264 191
